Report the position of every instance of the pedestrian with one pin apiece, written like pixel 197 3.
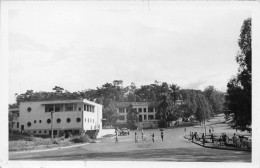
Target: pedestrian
pixel 116 137
pixel 142 136
pixel 234 139
pixel 184 129
pixel 212 138
pixel 162 135
pixel 203 139
pixel 153 137
pixel 135 137
pixel 209 131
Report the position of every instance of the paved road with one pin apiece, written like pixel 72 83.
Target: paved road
pixel 173 148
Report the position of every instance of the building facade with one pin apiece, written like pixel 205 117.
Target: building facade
pixel 146 110
pixel 63 116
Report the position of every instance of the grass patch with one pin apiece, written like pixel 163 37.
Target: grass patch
pixel 23 142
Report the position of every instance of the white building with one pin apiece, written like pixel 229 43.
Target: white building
pixel 75 116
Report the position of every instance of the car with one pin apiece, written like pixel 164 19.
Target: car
pixel 124 131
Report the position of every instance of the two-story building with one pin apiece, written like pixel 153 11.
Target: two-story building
pixel 146 112
pixel 75 116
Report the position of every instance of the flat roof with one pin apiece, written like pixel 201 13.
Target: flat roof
pixel 63 101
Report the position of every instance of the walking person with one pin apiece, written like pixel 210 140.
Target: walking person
pixel 162 135
pixel 203 139
pixel 212 138
pixel 135 137
pixel 184 129
pixel 116 137
pixel 153 137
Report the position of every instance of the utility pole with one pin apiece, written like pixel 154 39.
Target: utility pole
pixel 52 125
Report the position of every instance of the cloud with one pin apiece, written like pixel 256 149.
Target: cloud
pixel 195 85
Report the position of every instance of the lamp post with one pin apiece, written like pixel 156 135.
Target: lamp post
pixel 51 124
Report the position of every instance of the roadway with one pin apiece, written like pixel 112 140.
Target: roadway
pixel 173 148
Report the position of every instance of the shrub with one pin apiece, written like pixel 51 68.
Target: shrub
pixel 30 138
pixel 56 141
pixel 80 139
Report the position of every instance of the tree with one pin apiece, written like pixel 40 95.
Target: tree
pixel 11 122
pixel 110 114
pixel 175 94
pixel 58 89
pixel 239 93
pixel 132 118
pixel 215 98
pixel 195 104
pixel 161 113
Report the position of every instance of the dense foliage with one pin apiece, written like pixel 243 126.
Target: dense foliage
pixel 196 103
pixel 132 118
pixel 239 93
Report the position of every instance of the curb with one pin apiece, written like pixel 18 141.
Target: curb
pixel 233 149
pixel 44 150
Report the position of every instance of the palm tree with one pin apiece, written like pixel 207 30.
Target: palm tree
pixel 175 92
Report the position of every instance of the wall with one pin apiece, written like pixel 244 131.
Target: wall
pixel 38 113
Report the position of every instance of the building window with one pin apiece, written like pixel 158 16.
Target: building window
pixel 79 108
pixel 155 109
pixel 144 117
pixel 78 119
pixel 150 109
pixel 17 124
pixel 34 121
pixel 69 107
pixel 144 109
pixel 140 118
pixel 40 132
pixel 49 108
pixel 121 110
pixel 68 120
pixel 91 108
pixel 150 117
pixel 29 109
pixel 48 121
pixel 85 107
pixel 40 121
pixel 58 107
pixel 29 124
pixel 139 110
pixel 58 120
pixel 121 118
pixel 45 131
pixel 88 120
pixel 85 120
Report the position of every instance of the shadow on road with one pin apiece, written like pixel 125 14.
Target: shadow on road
pixel 177 154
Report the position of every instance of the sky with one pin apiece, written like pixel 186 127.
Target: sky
pixel 83 47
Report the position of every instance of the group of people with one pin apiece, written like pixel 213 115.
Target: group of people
pixel 142 136
pixel 152 136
